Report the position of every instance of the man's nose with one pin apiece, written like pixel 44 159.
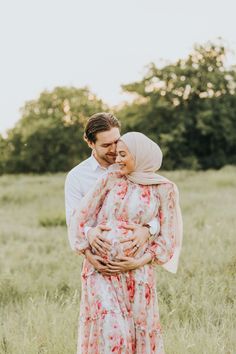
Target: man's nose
pixel 113 147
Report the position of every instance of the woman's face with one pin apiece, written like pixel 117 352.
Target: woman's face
pixel 124 158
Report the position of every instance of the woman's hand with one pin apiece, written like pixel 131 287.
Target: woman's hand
pixel 138 239
pixel 100 245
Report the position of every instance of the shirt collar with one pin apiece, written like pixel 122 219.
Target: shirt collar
pixel 94 163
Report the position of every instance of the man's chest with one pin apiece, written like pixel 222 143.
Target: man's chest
pixel 88 180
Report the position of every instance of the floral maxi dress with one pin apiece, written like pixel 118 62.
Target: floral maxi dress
pixel 119 314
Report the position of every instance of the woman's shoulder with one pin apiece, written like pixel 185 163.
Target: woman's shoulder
pixel 114 175
pixel 165 188
pixel 165 185
pixel 111 178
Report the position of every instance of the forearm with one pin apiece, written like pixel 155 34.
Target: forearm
pixel 145 259
pixel 90 257
pixel 162 251
pixel 77 239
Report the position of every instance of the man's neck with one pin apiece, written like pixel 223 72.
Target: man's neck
pixel 101 162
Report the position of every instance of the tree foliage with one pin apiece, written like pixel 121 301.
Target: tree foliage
pixel 48 137
pixel 189 108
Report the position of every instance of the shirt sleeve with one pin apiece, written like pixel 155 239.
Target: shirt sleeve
pixel 162 245
pixel 86 214
pixel 73 195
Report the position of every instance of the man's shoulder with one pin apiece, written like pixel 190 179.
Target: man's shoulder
pixel 78 169
pixel 82 165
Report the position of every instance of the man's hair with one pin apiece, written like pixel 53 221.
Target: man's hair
pixel 99 122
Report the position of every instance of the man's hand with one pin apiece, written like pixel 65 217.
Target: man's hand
pixel 123 264
pixel 97 262
pixel 100 245
pixel 138 239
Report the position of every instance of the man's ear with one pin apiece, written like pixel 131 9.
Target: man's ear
pixel 85 138
pixel 88 142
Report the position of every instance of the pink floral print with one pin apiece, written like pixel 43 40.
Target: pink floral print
pixel 119 314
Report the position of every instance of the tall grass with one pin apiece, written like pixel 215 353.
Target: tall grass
pixel 40 276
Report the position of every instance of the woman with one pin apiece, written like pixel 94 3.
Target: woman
pixel 119 312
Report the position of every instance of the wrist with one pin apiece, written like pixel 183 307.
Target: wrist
pixel 145 259
pixel 138 262
pixel 87 252
pixel 150 256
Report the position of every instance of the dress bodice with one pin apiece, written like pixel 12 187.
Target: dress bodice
pixel 127 203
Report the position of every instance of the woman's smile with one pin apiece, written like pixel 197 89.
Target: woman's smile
pixel 124 158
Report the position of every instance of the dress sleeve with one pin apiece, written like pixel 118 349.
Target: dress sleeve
pixel 162 245
pixel 86 214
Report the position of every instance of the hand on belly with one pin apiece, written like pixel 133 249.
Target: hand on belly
pixel 118 248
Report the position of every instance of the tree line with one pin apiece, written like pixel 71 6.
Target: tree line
pixel 187 107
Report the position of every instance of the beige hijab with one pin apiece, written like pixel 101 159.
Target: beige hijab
pixel 148 159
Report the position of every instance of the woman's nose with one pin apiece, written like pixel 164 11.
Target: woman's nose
pixel 117 159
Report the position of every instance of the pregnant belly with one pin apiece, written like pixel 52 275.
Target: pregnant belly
pixel 118 248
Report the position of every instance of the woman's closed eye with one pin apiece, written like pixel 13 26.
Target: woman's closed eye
pixel 122 154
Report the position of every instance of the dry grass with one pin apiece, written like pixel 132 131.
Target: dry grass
pixel 40 277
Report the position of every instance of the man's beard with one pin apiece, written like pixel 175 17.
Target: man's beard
pixel 109 158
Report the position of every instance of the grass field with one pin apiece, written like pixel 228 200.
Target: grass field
pixel 40 276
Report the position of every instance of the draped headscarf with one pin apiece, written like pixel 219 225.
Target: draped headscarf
pixel 148 158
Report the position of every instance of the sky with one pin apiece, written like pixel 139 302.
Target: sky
pixel 101 44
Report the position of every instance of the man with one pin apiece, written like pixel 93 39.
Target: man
pixel 102 133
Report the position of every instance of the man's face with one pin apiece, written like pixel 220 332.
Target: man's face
pixel 105 146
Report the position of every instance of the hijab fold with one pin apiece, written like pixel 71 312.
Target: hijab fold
pixel 148 159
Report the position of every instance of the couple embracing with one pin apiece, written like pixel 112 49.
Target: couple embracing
pixel 124 219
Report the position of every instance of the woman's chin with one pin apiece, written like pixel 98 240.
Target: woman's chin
pixel 123 172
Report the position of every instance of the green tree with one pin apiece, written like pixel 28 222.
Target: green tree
pixel 49 135
pixel 189 107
